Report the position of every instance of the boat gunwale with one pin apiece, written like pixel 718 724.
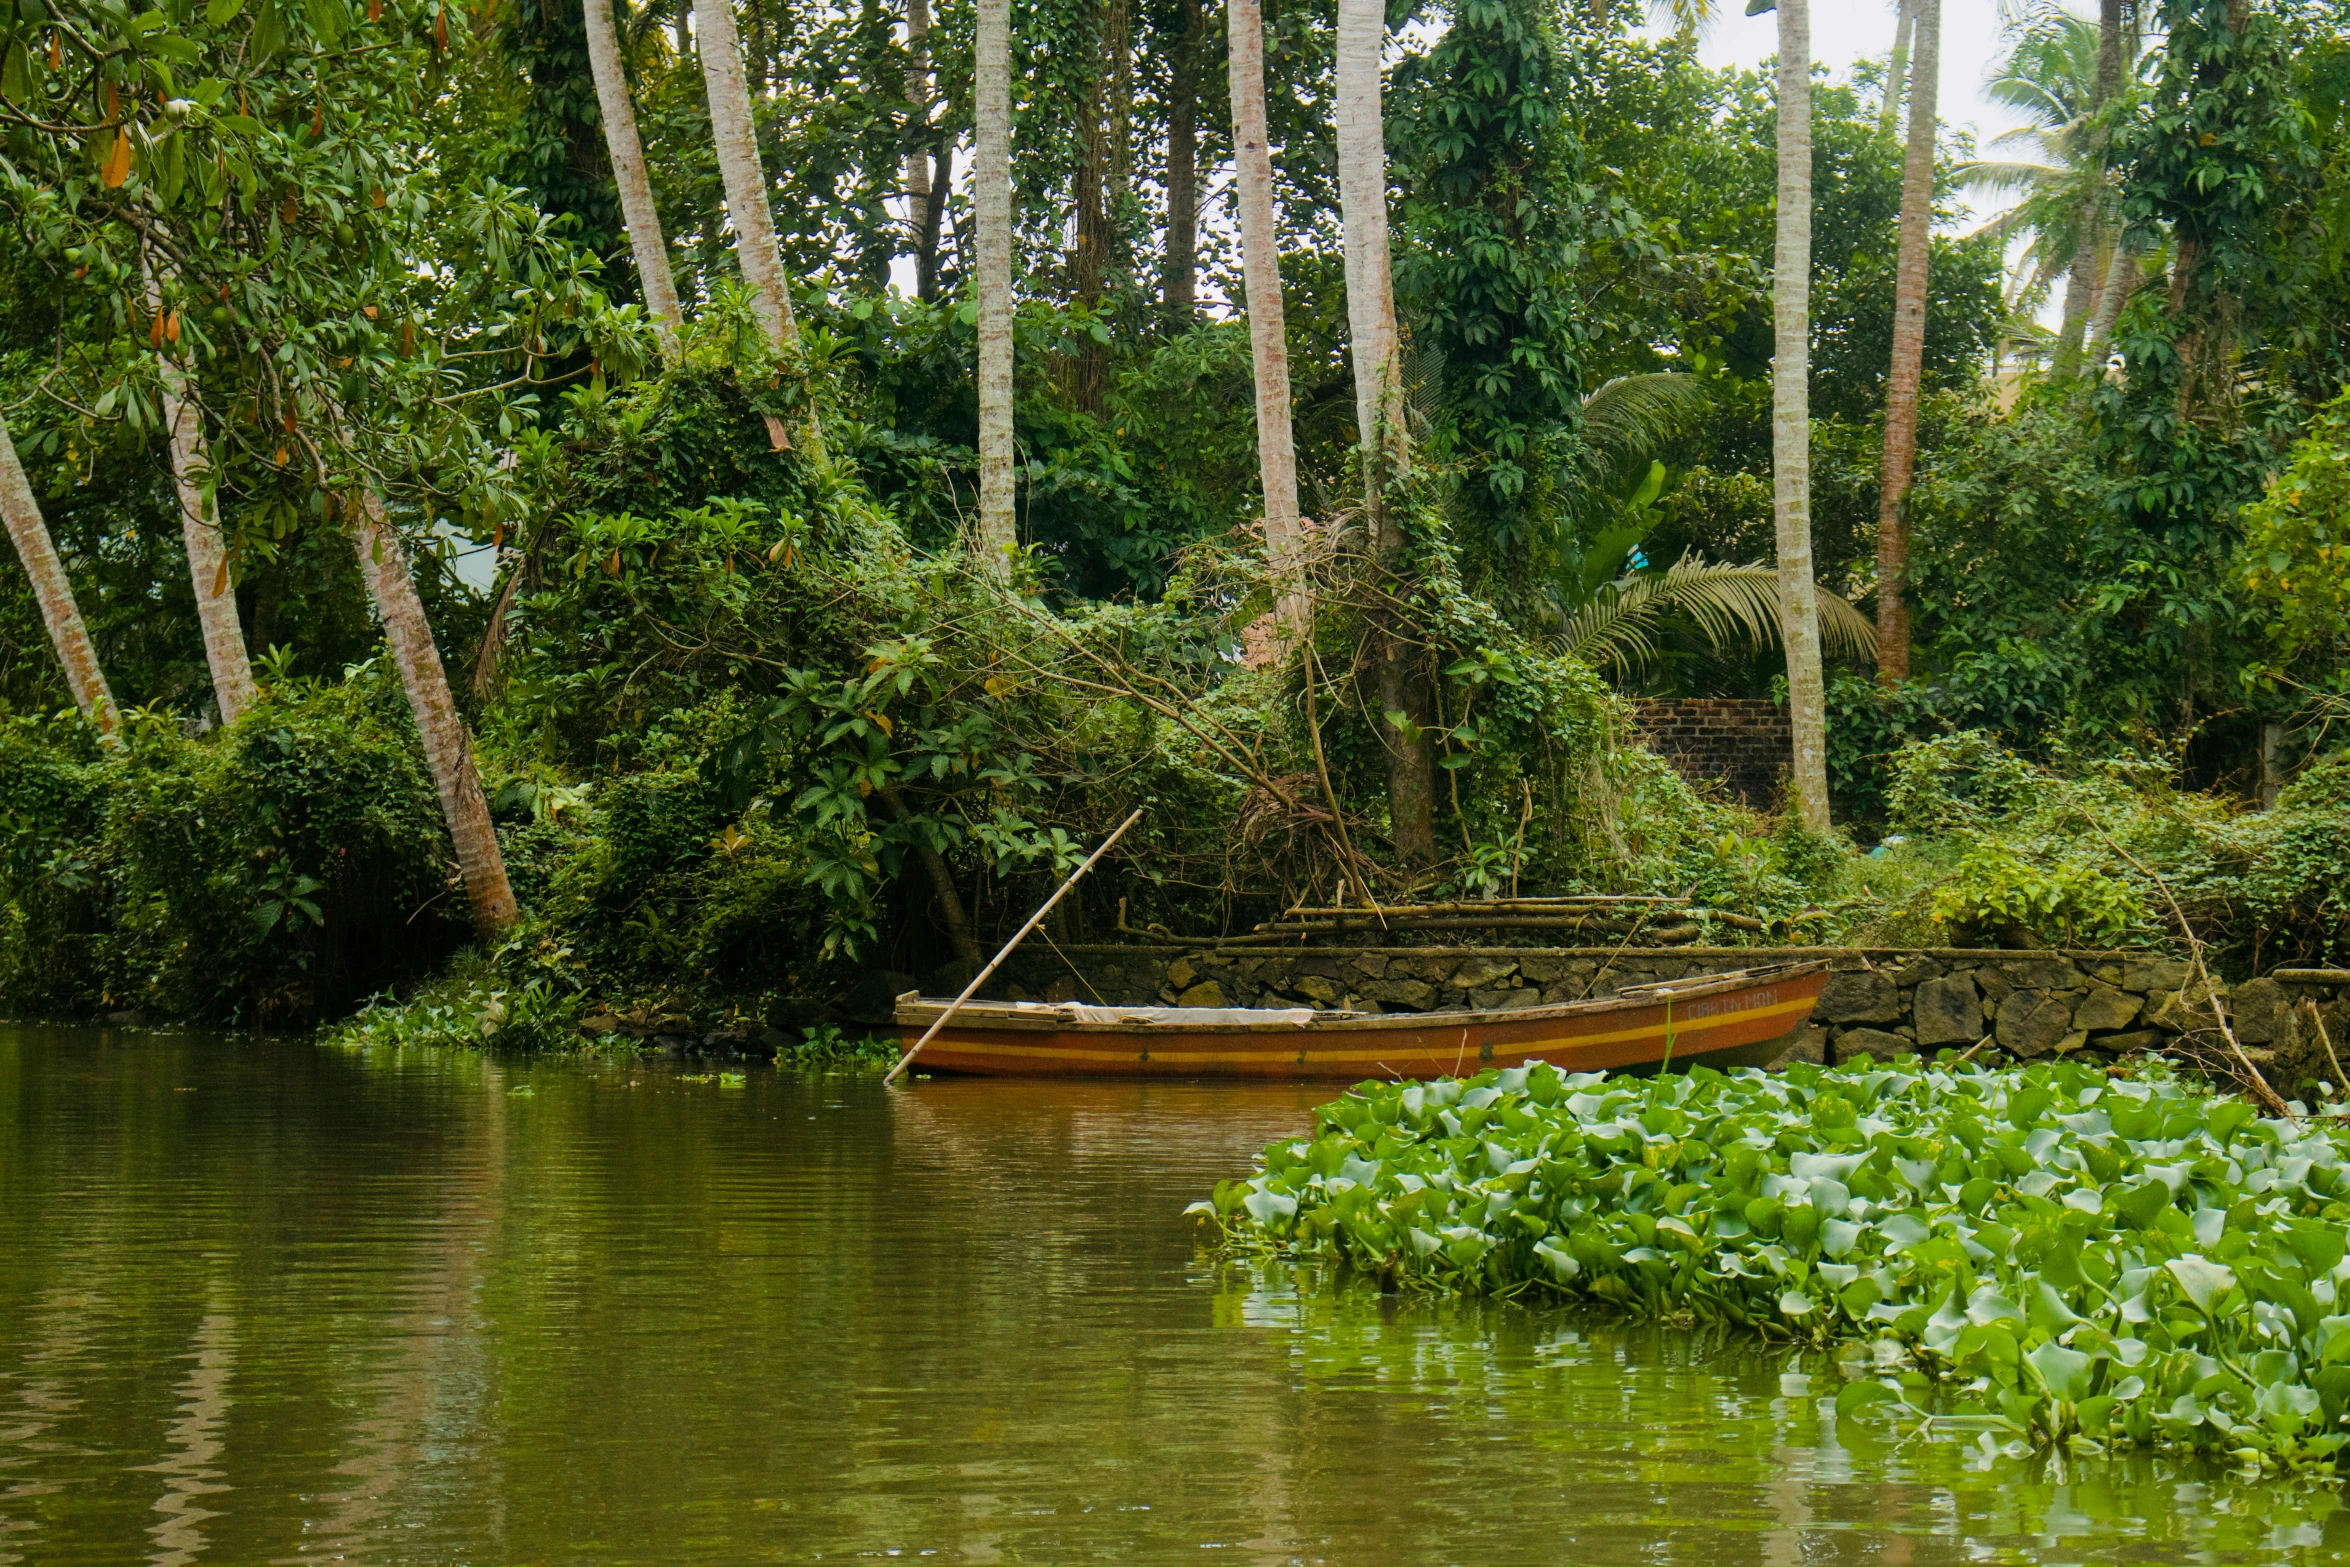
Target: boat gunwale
pixel 992 1016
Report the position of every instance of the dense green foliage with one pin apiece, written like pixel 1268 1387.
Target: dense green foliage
pixel 2083 1260
pixel 750 728
pixel 289 869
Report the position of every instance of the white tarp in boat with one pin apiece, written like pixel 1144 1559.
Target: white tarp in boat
pixel 1186 1017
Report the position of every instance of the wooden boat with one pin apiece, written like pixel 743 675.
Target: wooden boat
pixel 1745 1018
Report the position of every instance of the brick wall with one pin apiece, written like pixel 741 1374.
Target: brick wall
pixel 1745 745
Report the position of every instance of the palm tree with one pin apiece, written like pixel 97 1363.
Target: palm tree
pixel 1379 409
pixel 642 218
pixel 744 176
pixel 448 750
pixel 2060 74
pixel 1909 344
pixel 1268 334
pixel 216 598
pixel 1791 416
pixel 53 590
pixel 991 202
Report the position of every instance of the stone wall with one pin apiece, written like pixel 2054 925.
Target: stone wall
pixel 1747 746
pixel 1879 1002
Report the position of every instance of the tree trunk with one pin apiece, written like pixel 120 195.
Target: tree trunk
pixel 991 202
pixel 918 111
pixel 2080 290
pixel 448 751
pixel 1379 419
pixel 1183 167
pixel 1909 344
pixel 216 596
pixel 2082 293
pixel 745 178
pixel 934 211
pixel 1897 70
pixel 1791 418
pixel 2111 296
pixel 53 591
pixel 942 886
pixel 1090 259
pixel 1103 134
pixel 1370 285
pixel 637 211
pixel 1268 332
pixel 2093 257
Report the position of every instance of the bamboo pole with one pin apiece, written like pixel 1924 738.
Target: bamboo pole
pixel 1005 951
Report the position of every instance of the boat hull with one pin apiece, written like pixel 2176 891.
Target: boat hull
pixel 1721 1021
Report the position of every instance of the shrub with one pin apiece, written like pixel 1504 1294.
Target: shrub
pixel 274 873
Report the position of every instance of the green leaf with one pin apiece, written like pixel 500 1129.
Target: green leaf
pixel 2204 1282
pixel 220 12
pixel 328 19
pixel 2066 1373
pixel 2142 1204
pixel 1857 1396
pixel 269 32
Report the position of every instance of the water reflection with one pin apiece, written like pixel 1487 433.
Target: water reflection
pixel 265 1303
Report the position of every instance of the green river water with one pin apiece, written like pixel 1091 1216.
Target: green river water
pixel 264 1302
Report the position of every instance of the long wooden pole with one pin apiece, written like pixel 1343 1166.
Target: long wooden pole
pixel 1005 951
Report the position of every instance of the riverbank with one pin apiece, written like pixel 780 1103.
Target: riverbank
pixel 2079 1257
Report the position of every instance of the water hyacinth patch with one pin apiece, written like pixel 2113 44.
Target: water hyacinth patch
pixel 2085 1260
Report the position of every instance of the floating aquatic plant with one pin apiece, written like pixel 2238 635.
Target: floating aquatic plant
pixel 2082 1258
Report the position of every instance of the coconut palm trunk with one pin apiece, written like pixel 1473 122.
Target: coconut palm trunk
pixel 2097 257
pixel 637 210
pixel 1268 333
pixel 207 549
pixel 1791 418
pixel 991 202
pixel 448 750
pixel 1370 284
pixel 917 162
pixel 1897 69
pixel 739 167
pixel 53 590
pixel 1378 368
pixel 1909 344
pixel 2121 272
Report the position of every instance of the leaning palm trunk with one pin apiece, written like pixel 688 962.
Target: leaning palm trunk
pixel 1897 69
pixel 1909 343
pixel 1378 366
pixel 1268 333
pixel 991 201
pixel 208 573
pixel 2120 275
pixel 1791 417
pixel 53 590
pixel 745 178
pixel 637 211
pixel 448 752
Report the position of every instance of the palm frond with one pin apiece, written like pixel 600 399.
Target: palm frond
pixel 1630 416
pixel 1729 605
